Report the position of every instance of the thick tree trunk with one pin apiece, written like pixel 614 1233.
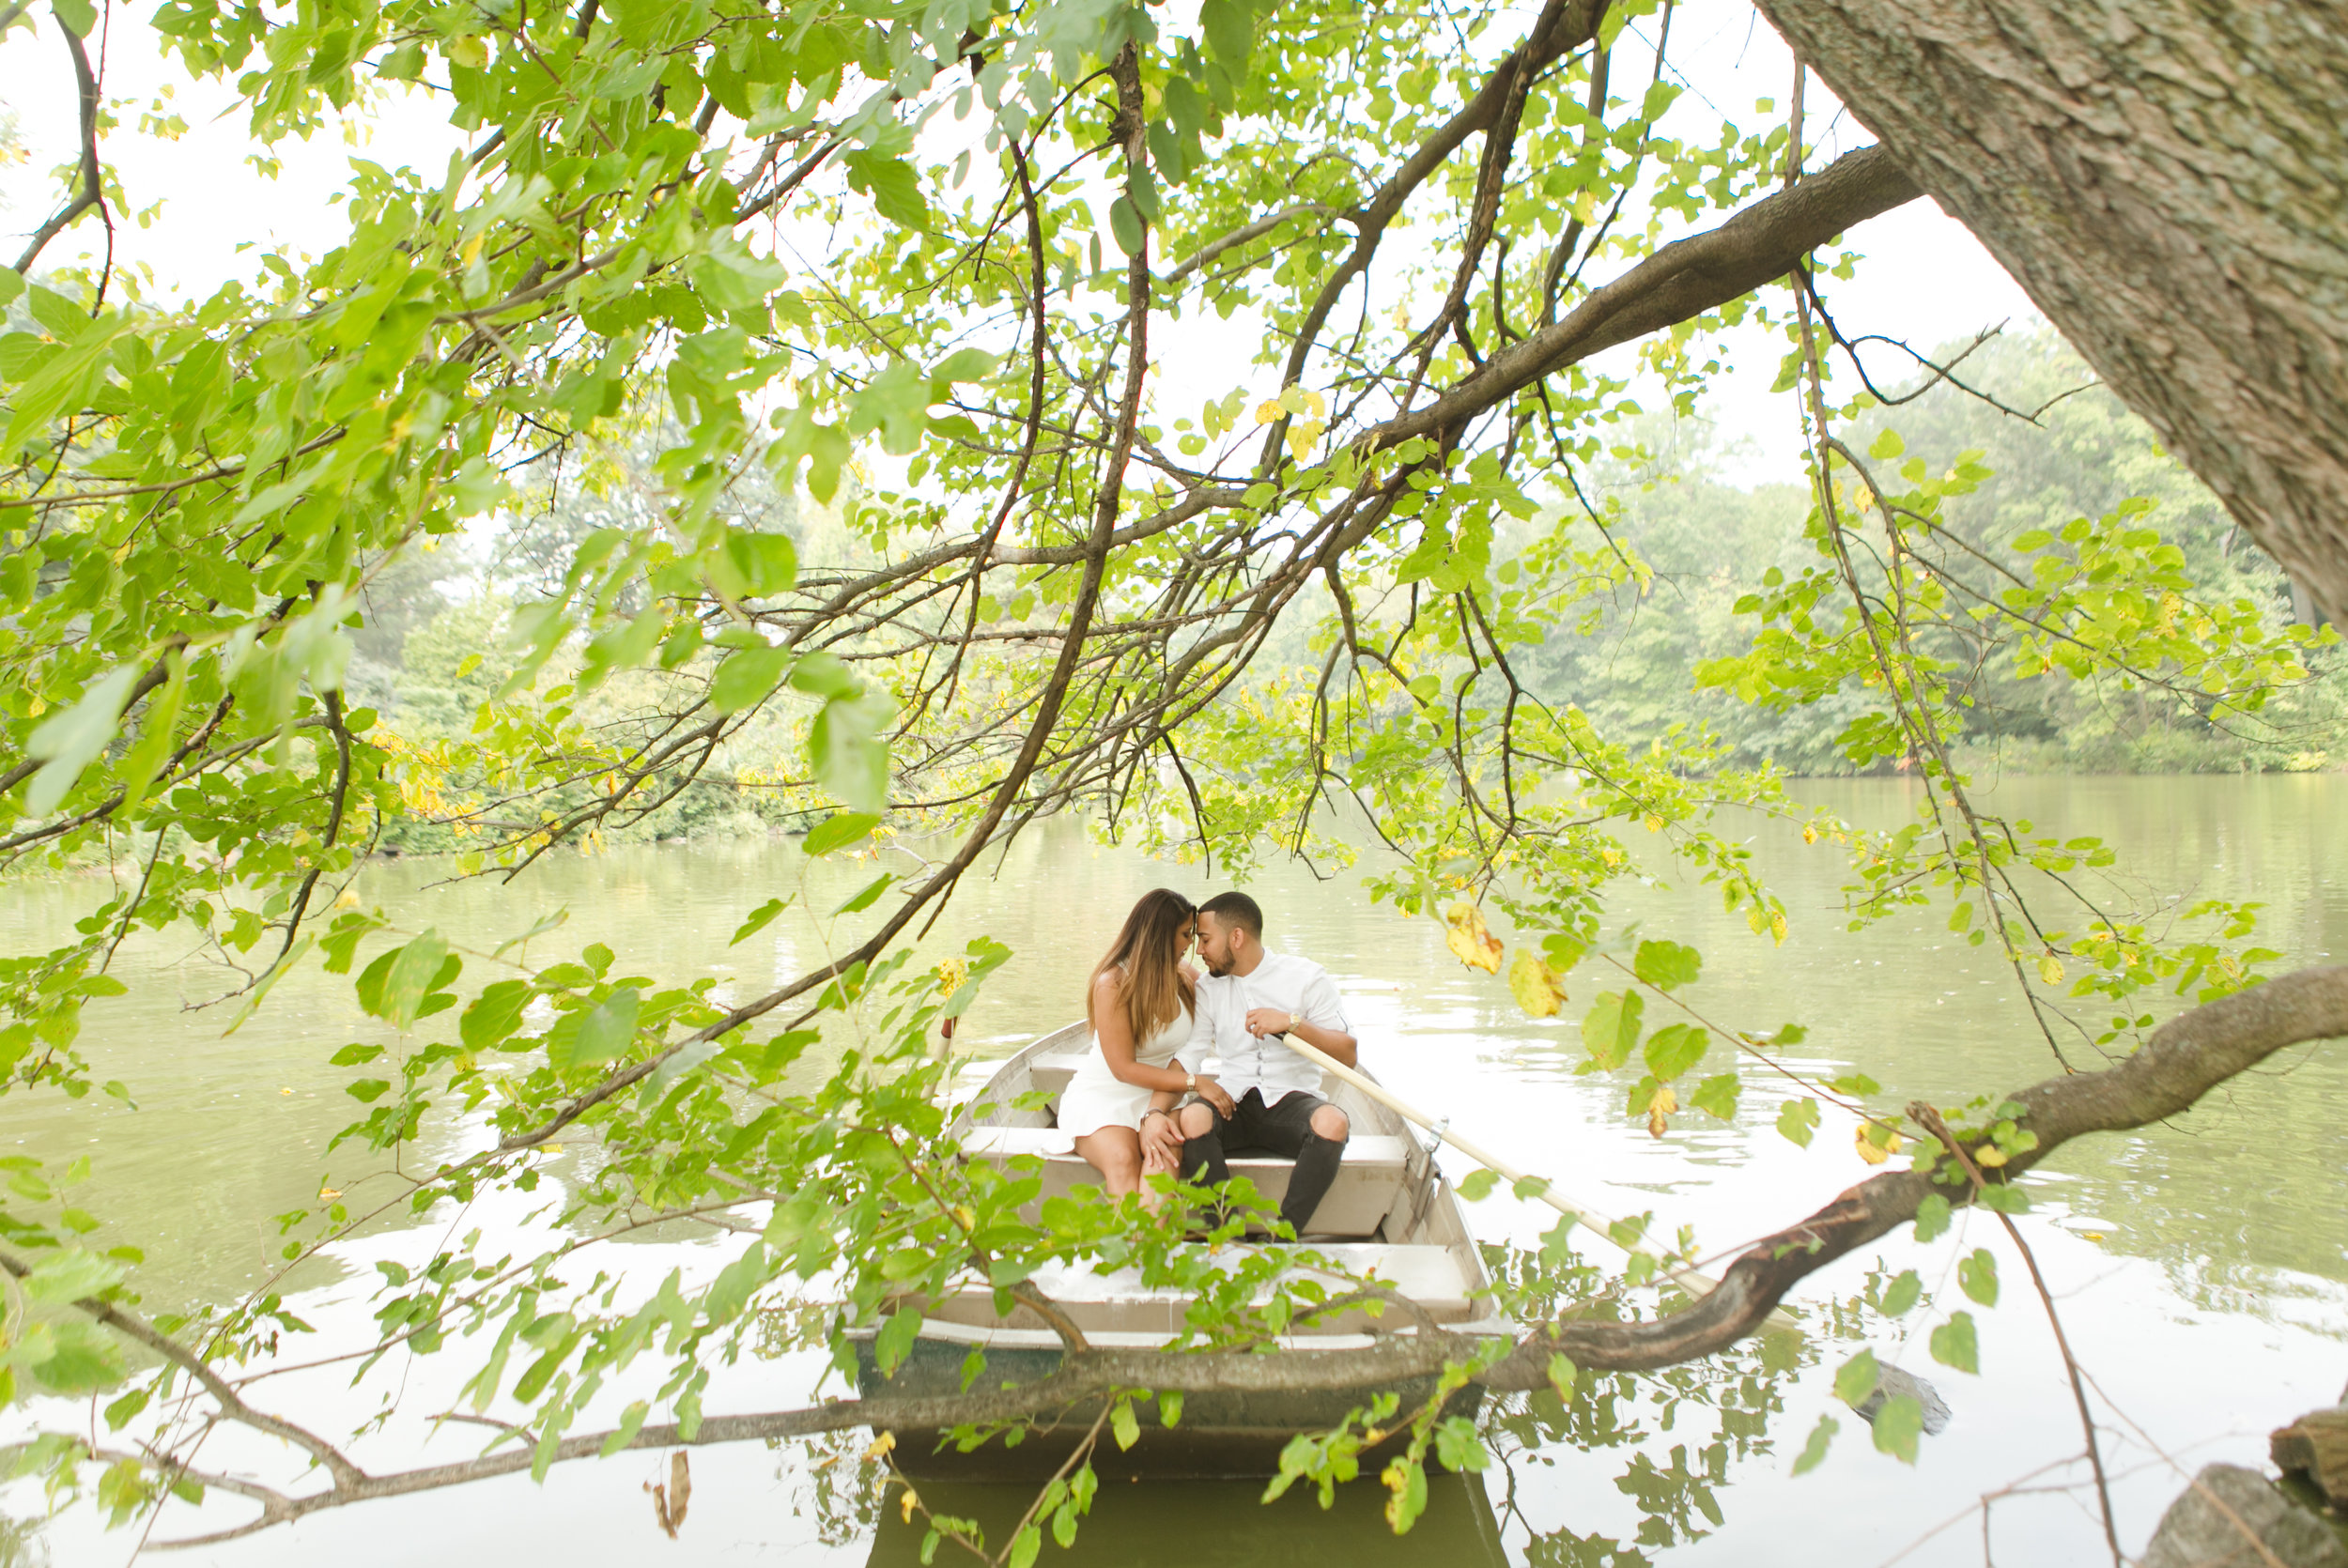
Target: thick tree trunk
pixel 2166 179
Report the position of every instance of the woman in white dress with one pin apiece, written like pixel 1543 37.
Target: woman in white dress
pixel 1140 1004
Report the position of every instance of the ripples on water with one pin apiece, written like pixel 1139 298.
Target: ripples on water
pixel 2199 1265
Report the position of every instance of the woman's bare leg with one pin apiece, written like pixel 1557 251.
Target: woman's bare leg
pixel 1116 1153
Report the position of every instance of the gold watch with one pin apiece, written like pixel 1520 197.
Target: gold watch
pixel 1295 1019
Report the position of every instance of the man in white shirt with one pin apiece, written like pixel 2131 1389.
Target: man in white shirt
pixel 1248 1000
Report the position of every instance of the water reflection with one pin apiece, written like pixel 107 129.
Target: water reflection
pixel 1221 1524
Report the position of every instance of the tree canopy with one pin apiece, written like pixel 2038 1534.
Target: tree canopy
pixel 1202 418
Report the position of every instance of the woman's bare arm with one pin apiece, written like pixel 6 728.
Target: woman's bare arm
pixel 1116 1043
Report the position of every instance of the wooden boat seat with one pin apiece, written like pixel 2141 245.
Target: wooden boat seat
pixel 1368 1184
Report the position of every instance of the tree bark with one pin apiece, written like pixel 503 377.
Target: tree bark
pixel 2164 177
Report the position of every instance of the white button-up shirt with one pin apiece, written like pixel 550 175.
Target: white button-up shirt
pixel 1284 983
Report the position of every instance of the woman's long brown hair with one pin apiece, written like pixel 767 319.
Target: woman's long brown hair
pixel 1155 990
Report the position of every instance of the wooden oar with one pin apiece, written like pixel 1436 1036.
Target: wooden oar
pixel 1689 1280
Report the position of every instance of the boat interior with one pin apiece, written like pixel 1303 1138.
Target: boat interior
pixel 1389 1214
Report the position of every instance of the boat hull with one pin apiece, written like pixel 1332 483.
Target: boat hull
pixel 1222 1435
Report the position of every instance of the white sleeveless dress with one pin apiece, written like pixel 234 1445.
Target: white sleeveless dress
pixel 1096 1098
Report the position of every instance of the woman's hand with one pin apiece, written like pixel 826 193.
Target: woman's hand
pixel 1218 1095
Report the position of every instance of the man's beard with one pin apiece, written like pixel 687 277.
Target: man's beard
pixel 1219 971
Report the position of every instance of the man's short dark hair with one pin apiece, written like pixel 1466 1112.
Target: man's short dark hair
pixel 1235 909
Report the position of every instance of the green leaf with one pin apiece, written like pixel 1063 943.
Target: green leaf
pixel 2004 1198
pixel 825 675
pixel 895 189
pixel 1898 1425
pixel 1814 1451
pixel 1230 29
pixel 1717 1096
pixel 157 734
pixel 760 918
pixel 351 1056
pixel 1932 1216
pixel 1857 1379
pixel 71 1358
pixel 494 1015
pixel 1955 1344
pixel 1674 1048
pixel 79 16
pixel 849 758
pixel 747 677
pixel 1170 1408
pixel 895 1340
pixel 366 1091
pixel 416 972
pixel 1477 1185
pixel 836 832
pixel 71 739
pixel 1024 1546
pixel 1563 1374
pixel 1904 1294
pixel 1977 1275
pixel 1125 226
pixel 1611 1027
pixel 604 1034
pixel 1123 1425
pixel 1529 1187
pixel 1887 444
pixel 631 1423
pixel 1666 965
pixel 1797 1120
pixel 864 898
pixel 71 1276
pixel 767 562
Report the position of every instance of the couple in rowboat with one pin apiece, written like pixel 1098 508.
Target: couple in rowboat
pixel 1139 1107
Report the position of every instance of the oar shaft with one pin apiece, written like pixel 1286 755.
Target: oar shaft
pixel 1597 1223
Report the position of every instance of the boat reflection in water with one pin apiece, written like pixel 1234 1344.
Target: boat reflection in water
pixel 1219 1524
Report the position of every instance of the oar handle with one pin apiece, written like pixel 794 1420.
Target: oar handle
pixel 1597 1223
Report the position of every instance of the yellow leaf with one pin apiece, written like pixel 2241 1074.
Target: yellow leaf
pixel 1470 940
pixel 2051 969
pixel 1777 925
pixel 328 1194
pixel 1871 1151
pixel 1654 823
pixel 1270 412
pixel 1538 987
pixel 1658 1111
pixel 1989 1155
pixel 906 1504
pixel 1809 833
pixel 881 1447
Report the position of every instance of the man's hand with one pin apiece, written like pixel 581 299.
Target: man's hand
pixel 1267 1021
pixel 1161 1142
pixel 1218 1095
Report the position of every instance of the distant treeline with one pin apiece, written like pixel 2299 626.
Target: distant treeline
pixel 1710 543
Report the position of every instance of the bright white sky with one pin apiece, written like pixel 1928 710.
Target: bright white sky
pixel 1925 278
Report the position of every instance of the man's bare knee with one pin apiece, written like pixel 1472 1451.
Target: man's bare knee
pixel 1195 1121
pixel 1330 1123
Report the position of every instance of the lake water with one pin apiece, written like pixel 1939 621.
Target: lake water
pixel 2201 1267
